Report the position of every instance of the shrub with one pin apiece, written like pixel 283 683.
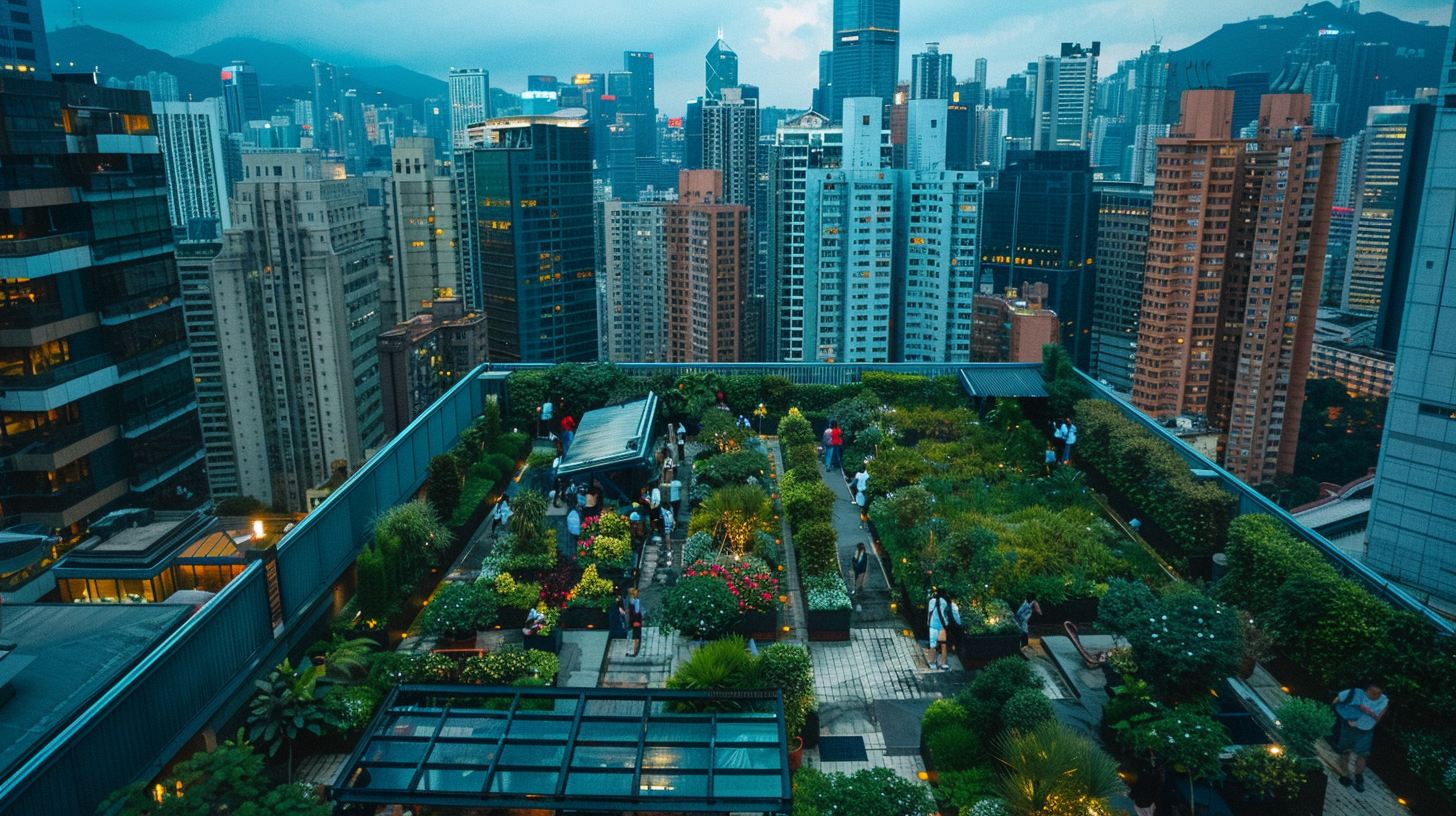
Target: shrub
pixel 994 685
pixel 512 593
pixel 1123 605
pixel 698 606
pixel 390 668
pixel 442 490
pixel 795 430
pixel 818 548
pixel 955 749
pixel 459 609
pixel 721 664
pixel 942 714
pixel 748 580
pixel 615 553
pixel 788 667
pixel 593 590
pixel 612 525
pixel 825 592
pixel 509 664
pixel 1026 710
pixel 962 791
pixel 1322 621
pixel 1275 776
pixel 353 706
pixel 869 792
pixel 698 547
pixel 806 501
pixel 1262 555
pixel 731 468
pixel 1186 643
pixel 1193 741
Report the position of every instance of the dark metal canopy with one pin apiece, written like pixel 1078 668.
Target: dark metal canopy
pixel 612 438
pixel 1004 380
pixel 588 749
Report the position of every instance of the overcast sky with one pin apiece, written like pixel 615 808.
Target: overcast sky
pixel 778 41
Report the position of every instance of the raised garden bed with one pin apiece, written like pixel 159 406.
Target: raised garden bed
pixel 976 651
pixel 761 626
pixel 829 625
pixel 545 643
pixel 584 617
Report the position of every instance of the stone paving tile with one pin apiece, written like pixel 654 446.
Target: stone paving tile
pixel 649 669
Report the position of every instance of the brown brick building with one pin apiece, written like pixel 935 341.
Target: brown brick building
pixel 1012 327
pixel 707 264
pixel 1236 241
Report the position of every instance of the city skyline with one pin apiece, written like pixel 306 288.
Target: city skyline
pixel 778 43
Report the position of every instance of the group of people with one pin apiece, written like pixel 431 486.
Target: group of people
pixel 943 619
pixel 1066 431
pixel 546 425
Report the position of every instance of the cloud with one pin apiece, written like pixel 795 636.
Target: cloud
pixel 794 30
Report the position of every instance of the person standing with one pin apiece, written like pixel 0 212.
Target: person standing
pixel 654 506
pixel 861 565
pixel 942 616
pixel 1359 709
pixel 556 482
pixel 634 620
pixel 828 446
pixel 1023 618
pixel 836 445
pixel 543 427
pixel 568 431
pixel 502 514
pixel 669 521
pixel 861 492
pixel 573 527
pixel 1051 458
pixel 682 442
pixel 669 468
pixel 1067 432
pixel 674 493
pixel 636 526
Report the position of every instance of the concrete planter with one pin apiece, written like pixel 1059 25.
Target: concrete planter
pixel 829 624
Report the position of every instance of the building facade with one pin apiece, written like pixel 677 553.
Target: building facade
pixel 708 257
pixel 296 313
pixel 720 69
pixel 934 309
pixel 424 231
pixel 1237 240
pixel 930 74
pixel 469 103
pixel 242 100
pixel 1012 327
pixel 423 356
pixel 866 59
pixel 532 222
pixel 1415 487
pixel 632 313
pixel 191 135
pixel 1124 213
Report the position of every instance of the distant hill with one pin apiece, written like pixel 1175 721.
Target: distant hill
pixel 1260 44
pixel 284 72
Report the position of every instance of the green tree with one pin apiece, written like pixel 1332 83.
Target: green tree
pixel 1054 771
pixel 227 782
pixel 286 707
pixel 1339 434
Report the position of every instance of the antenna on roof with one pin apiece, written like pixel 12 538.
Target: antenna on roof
pixel 1156 39
pixel 76 20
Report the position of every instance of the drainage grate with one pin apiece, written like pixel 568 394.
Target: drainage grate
pixel 842 749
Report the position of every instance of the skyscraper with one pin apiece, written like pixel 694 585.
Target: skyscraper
pixel 1124 212
pixel 162 87
pixel 934 311
pixel 1232 282
pixel 866 51
pixel 632 312
pixel 930 76
pixel 96 382
pixel 1150 115
pixel 190 135
pixel 1415 488
pixel 28 53
pixel 241 97
pixel 469 103
pixel 529 196
pixel 424 231
pixel 640 106
pixel 824 91
pixel 1076 93
pixel 1393 136
pixel 296 315
pixel 328 120
pixel 721 68
pixel 1039 225
pixel 1248 87
pixel 980 75
pixel 730 147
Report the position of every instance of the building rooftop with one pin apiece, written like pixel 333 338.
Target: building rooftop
pixel 75 653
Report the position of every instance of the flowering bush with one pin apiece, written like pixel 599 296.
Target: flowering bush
pixel 825 593
pixel 512 593
pixel 509 664
pixel 1186 642
pixel 698 547
pixel 1191 741
pixel 990 618
pixel 458 610
pixel 611 525
pixel 556 586
pixel 353 706
pixel 606 550
pixel 754 588
pixel 699 606
pixel 593 590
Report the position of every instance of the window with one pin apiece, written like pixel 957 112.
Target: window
pixel 866 119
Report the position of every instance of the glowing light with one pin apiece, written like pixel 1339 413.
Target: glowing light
pixel 257 528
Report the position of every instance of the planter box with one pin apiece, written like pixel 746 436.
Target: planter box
pixel 829 624
pixel 761 626
pixel 977 650
pixel 545 643
pixel 583 617
pixel 510 617
pixel 1077 610
pixel 811 729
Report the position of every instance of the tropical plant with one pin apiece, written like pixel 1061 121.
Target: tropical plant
pixel 348 659
pixel 1268 773
pixel 421 537
pixel 459 609
pixel 442 488
pixel 1303 722
pixel 718 665
pixel 228 780
pixel 1052 770
pixel 734 514
pixel 698 606
pixel 286 707
pixel 868 792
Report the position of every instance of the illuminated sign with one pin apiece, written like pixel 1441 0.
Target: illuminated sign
pixel 581 79
pixel 226 75
pixel 674 123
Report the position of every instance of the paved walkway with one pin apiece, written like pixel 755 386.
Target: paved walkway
pixel 871 607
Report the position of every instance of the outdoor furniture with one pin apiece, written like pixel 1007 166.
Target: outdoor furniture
pixel 1091 661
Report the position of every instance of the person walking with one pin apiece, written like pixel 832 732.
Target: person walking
pixel 669 521
pixel 543 415
pixel 674 493
pixel 861 564
pixel 1067 432
pixel 573 527
pixel 634 620
pixel 836 445
pixel 943 617
pixel 669 469
pixel 682 442
pixel 1051 458
pixel 636 526
pixel 1023 618
pixel 654 506
pixel 828 446
pixel 1359 709
pixel 557 482
pixel 861 492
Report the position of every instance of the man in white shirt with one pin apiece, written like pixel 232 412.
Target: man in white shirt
pixel 1359 709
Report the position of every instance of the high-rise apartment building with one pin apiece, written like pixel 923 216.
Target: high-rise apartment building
pixel 721 69
pixel 1066 92
pixel 934 309
pixel 191 135
pixel 422 357
pixel 1415 488
pixel 632 311
pixel 162 87
pixel 469 103
pixel 1235 257
pixel 24 50
pixel 930 76
pixel 242 100
pixel 1012 327
pixel 424 231
pixel 1039 225
pixel 1149 111
pixel 295 307
pixel 708 256
pixel 1394 135
pixel 866 58
pixel 1124 211
pixel 529 228
pixel 95 371
pixel 730 147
